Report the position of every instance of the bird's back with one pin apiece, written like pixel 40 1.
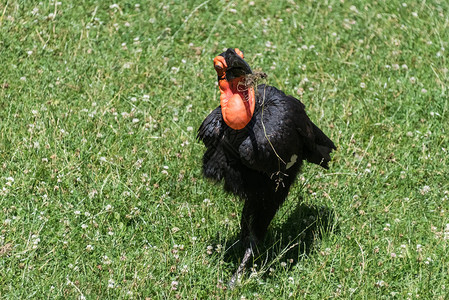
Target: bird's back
pixel 276 141
pixel 283 134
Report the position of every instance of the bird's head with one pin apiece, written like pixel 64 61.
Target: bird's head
pixel 231 64
pixel 237 100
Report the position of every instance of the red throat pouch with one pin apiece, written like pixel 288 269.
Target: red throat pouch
pixel 237 100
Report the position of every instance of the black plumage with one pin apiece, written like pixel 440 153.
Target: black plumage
pixel 261 161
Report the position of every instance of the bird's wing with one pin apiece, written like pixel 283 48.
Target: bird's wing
pixel 317 145
pixel 211 133
pixel 319 151
pixel 211 130
pixel 283 135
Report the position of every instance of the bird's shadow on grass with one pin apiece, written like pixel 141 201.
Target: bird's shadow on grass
pixel 287 241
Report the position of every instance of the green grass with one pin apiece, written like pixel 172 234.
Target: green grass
pixel 101 191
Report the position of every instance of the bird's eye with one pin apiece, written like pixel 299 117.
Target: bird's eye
pixel 218 66
pixel 219 63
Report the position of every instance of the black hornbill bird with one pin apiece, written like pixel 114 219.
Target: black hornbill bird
pixel 256 141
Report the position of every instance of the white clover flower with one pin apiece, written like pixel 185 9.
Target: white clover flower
pixel 111 283
pixel 184 269
pixel 106 260
pixel 174 285
pixel 354 9
pixel 209 250
pixel 36 241
pixel 10 181
pixel 425 189
pixel 380 283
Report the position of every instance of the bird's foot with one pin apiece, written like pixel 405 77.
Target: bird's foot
pixel 236 277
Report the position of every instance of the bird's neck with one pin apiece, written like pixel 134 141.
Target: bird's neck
pixel 237 102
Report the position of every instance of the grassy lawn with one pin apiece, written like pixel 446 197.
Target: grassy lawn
pixel 101 192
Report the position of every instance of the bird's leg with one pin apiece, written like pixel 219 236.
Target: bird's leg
pixel 241 268
pixel 256 216
pixel 248 239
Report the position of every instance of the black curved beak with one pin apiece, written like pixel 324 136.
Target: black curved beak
pixel 237 66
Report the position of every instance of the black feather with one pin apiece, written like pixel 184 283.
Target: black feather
pixel 258 162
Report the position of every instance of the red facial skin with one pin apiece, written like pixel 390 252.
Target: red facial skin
pixel 237 101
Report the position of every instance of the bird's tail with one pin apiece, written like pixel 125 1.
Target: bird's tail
pixel 319 153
